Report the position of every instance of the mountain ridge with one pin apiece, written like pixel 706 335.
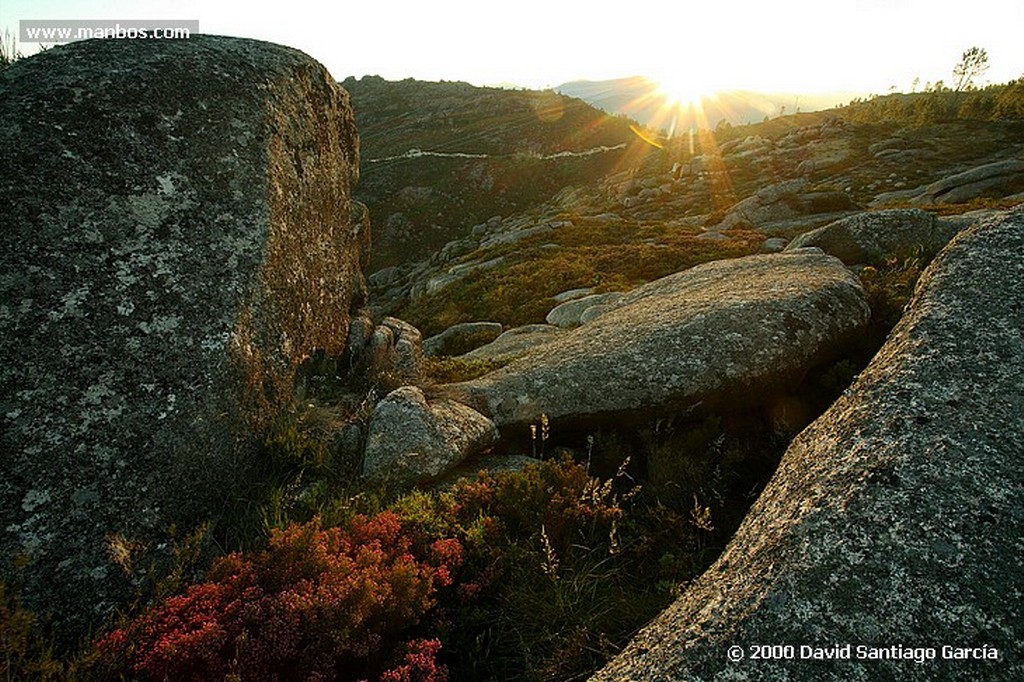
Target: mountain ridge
pixel 641 98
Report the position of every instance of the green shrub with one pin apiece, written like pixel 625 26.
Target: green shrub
pixel 604 257
pixel 446 370
pixel 24 652
pixel 888 289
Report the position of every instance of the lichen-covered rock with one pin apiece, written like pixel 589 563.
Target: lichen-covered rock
pixel 395 353
pixel 895 518
pixel 727 333
pixel 570 313
pixel 176 239
pixel 515 342
pixel 461 338
pixel 411 440
pixel 873 237
pixel 786 209
pixel 997 179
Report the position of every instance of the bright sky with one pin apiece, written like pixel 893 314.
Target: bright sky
pixel 768 45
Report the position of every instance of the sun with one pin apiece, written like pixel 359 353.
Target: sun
pixel 684 90
pixel 684 101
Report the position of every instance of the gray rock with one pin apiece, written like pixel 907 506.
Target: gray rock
pixel 177 239
pixel 781 190
pixel 806 167
pixel 713 236
pixel 384 276
pixel 572 294
pixel 826 154
pixel 568 314
pixel 595 311
pixel 456 248
pixel 794 227
pixel 519 235
pixel 953 224
pixel 1001 177
pixel 395 353
pixel 774 244
pixel 515 342
pixel 360 332
pixel 874 236
pixel 461 338
pixel 454 274
pixel 888 144
pixel 897 196
pixel 894 519
pixel 724 333
pixel 411 440
pixel 783 202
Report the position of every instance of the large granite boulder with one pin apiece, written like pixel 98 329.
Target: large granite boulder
pixel 394 354
pixel 728 333
pixel 176 239
pixel 873 237
pixel 894 520
pixel 570 314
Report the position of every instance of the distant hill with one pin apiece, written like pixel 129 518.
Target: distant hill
pixel 639 98
pixel 438 158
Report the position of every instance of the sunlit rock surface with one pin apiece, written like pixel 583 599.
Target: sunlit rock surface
pixel 724 334
pixel 895 518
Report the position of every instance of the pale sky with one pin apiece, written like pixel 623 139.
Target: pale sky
pixel 768 45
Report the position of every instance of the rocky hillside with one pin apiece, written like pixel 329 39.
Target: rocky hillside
pixel 438 158
pixel 745 190
pixel 211 420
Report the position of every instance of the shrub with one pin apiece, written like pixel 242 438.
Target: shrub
pixel 447 370
pixel 315 604
pixel 24 653
pixel 888 289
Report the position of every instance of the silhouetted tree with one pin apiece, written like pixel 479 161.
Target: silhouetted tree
pixel 8 49
pixel 973 63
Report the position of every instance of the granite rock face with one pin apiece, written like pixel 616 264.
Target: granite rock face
pixel 413 440
pixel 787 209
pixel 1000 179
pixel 514 342
pixel 895 518
pixel 177 238
pixel 874 236
pixel 394 353
pixel 726 333
pixel 570 314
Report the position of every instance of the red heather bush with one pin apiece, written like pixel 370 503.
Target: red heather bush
pixel 333 604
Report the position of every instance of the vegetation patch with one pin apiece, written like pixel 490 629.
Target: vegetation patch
pixel 449 370
pixel 607 258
